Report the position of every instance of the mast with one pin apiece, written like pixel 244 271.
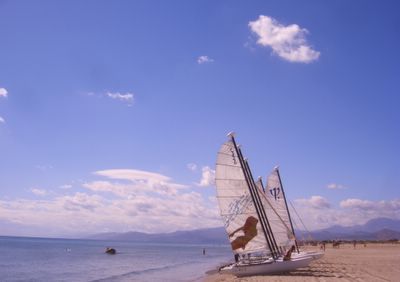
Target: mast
pixel 269 229
pixel 261 183
pixel 253 193
pixel 287 208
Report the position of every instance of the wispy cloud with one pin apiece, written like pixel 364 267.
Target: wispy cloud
pixel 123 97
pixel 127 97
pixel 391 206
pixel 335 186
pixel 204 60
pixel 3 92
pixel 288 42
pixel 139 182
pixel 192 166
pixel 43 167
pixel 316 202
pixel 207 177
pixel 39 192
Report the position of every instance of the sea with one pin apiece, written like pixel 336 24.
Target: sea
pixel 43 259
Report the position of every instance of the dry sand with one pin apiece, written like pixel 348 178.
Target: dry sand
pixel 376 262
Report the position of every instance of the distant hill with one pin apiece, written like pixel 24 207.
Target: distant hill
pixel 199 236
pixel 375 229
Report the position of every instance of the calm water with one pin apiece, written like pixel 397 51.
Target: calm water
pixel 34 259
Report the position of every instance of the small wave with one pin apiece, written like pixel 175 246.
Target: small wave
pixel 118 277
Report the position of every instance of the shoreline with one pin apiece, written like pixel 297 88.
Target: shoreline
pixel 375 262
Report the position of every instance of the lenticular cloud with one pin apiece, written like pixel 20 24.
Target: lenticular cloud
pixel 288 42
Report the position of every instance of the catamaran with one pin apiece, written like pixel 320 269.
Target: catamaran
pixel 261 239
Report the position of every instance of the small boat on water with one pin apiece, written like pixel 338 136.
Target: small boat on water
pixel 110 251
pixel 256 219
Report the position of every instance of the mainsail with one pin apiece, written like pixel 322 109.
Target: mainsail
pixel 276 197
pixel 237 208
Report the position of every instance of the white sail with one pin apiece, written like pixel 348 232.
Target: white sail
pixel 277 212
pixel 236 205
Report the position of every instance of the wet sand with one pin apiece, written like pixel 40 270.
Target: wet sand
pixel 376 262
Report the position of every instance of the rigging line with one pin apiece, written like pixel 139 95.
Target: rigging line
pixel 270 205
pixel 300 219
pixel 301 234
pixel 287 208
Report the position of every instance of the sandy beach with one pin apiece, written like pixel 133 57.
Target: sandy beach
pixel 375 262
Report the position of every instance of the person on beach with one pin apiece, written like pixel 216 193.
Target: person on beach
pixel 250 231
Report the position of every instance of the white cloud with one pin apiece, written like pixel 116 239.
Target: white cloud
pixel 358 211
pixel 288 42
pixel 204 60
pixel 207 177
pixel 39 192
pixel 3 92
pixel 124 97
pixel 316 202
pixel 335 186
pixel 140 181
pixel 122 190
pixel 81 201
pixel 392 206
pixel 192 166
pixel 66 186
pixel 350 211
pixel 94 212
pixel 132 175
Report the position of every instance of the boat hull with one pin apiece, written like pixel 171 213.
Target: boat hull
pixel 314 254
pixel 267 267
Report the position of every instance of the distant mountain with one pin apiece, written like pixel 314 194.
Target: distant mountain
pixel 199 236
pixel 375 229
pixel 387 234
pixel 377 224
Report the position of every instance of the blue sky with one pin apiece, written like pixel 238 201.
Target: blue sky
pixel 111 112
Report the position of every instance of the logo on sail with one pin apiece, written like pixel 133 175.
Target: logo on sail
pixel 237 207
pixel 275 192
pixel 233 155
pixel 250 231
